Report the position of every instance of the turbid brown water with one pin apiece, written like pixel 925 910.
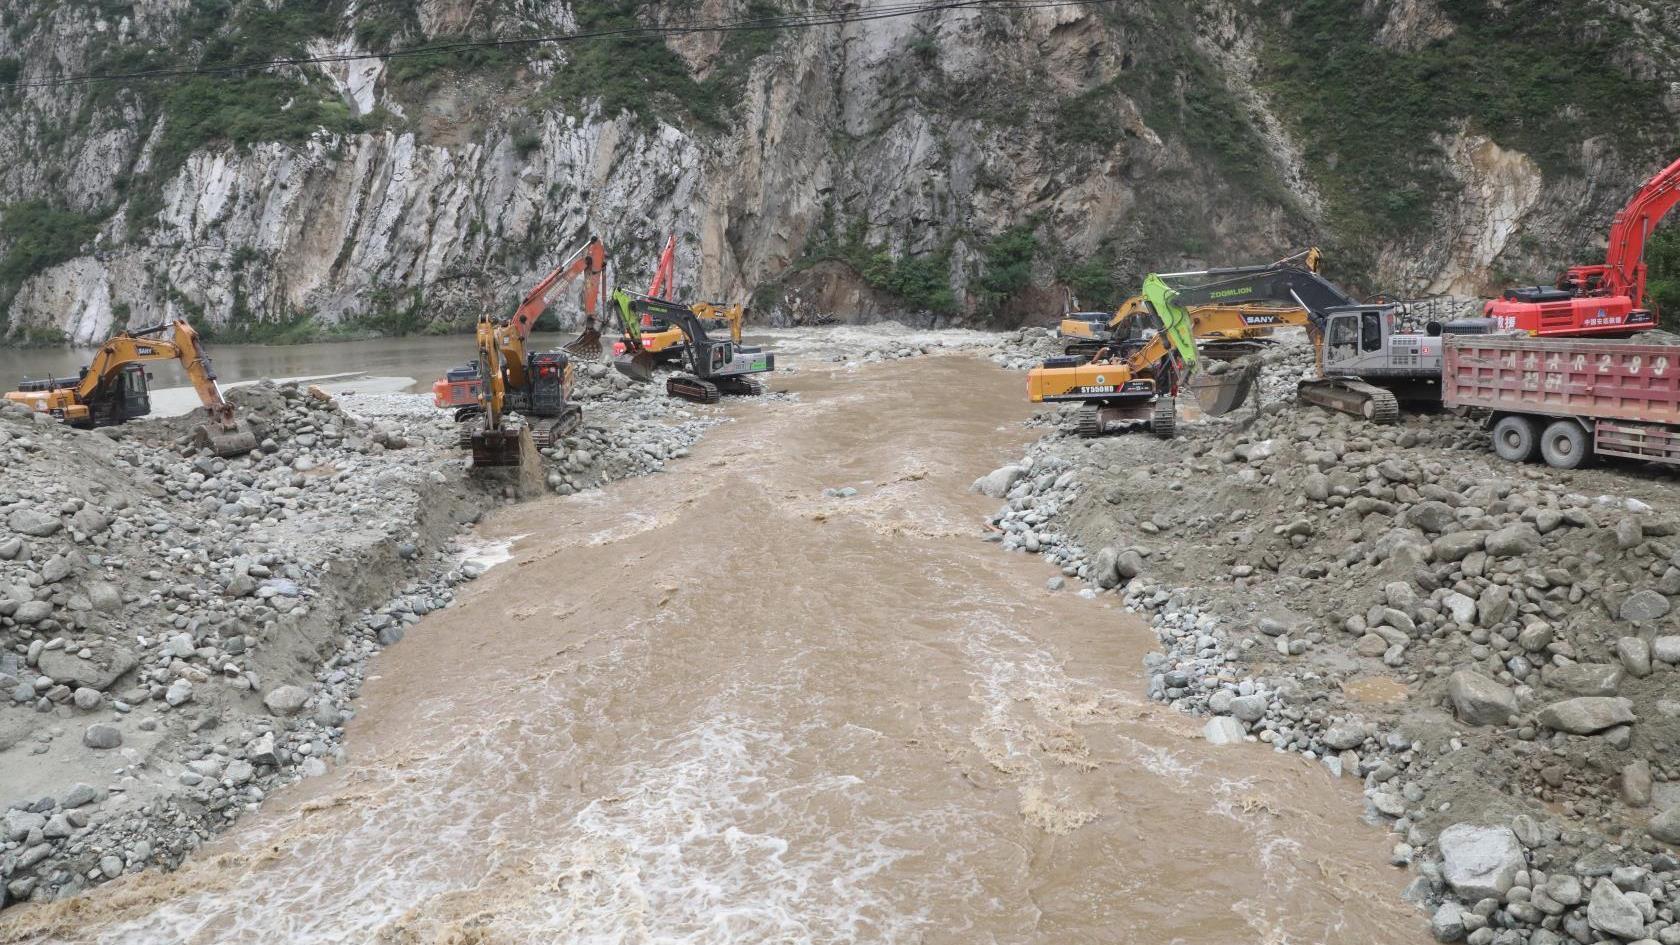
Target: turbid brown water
pixel 714 706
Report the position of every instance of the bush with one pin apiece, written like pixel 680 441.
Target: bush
pixel 1523 71
pixel 1007 262
pixel 1662 256
pixel 640 75
pixel 39 236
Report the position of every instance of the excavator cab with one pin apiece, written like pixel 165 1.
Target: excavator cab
pixel 125 397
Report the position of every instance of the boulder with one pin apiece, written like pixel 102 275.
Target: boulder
pixel 1512 541
pixel 1635 655
pixel 1249 708
pixel 1666 826
pixel 1480 862
pixel 1345 735
pixel 1102 568
pixel 1610 910
pixel 998 482
pixel 286 700
pixel 1223 730
pixel 1644 605
pixel 1587 714
pixel 1493 605
pixel 1586 679
pixel 1431 516
pixel 97 673
pixel 1479 700
pixel 33 523
pixel 1455 546
pixel 1666 649
pixel 102 736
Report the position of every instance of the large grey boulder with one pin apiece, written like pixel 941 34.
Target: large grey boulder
pixel 1431 516
pixel 34 523
pixel 102 736
pixel 1480 862
pixel 1587 714
pixel 1644 605
pixel 286 700
pixel 1610 910
pixel 1512 541
pixel 1456 546
pixel 1102 568
pixel 1479 700
pixel 97 673
pixel 1666 826
pixel 1586 679
pixel 998 482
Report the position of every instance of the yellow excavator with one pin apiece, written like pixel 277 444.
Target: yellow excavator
pixel 1234 331
pixel 113 389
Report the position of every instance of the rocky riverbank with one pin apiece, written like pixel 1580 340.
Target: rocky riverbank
pixel 1491 649
pixel 181 635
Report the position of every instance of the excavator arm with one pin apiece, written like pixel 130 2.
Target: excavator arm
pixel 1623 272
pixel 590 262
pixel 664 285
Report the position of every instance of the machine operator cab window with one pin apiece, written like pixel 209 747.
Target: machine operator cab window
pixel 1341 339
pixel 1370 331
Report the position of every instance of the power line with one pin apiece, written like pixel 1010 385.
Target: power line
pixel 829 17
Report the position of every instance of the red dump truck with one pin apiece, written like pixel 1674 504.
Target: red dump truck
pixel 1567 399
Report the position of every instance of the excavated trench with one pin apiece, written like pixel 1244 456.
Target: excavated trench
pixel 719 706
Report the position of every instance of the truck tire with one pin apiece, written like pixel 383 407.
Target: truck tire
pixel 1516 438
pixel 1565 445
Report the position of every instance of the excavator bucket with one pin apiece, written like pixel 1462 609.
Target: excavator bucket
pixel 496 449
pixel 234 440
pixel 637 367
pixel 588 344
pixel 1222 392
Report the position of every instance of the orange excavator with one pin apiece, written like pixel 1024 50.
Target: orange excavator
pixel 662 338
pixel 1600 299
pixel 461 388
pixel 113 388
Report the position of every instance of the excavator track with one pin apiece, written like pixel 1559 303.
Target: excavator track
pixel 739 386
pixel 693 389
pixel 546 433
pixel 1088 421
pixel 1356 397
pixel 1163 420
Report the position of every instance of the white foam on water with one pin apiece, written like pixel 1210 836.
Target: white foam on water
pixel 486 554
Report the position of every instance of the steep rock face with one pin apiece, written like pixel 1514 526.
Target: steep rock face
pixel 959 166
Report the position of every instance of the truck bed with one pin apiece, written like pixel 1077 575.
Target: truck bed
pixel 1563 377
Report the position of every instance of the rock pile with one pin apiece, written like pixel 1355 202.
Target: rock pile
pixel 1491 648
pixel 180 634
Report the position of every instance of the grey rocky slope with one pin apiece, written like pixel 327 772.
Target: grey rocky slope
pixel 1491 649
pixel 181 634
pixel 996 154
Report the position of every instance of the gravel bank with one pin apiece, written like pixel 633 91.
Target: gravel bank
pixel 1492 649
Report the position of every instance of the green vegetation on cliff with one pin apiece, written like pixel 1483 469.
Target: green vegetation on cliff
pixel 1534 75
pixel 1662 255
pixel 37 236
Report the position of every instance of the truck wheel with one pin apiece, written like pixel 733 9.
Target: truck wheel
pixel 1516 438
pixel 1565 445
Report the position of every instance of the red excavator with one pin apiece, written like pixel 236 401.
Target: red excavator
pixel 459 387
pixel 1604 299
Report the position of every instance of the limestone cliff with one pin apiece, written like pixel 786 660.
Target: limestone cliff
pixel 961 166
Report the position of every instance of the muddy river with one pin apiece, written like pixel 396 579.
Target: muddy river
pixel 715 706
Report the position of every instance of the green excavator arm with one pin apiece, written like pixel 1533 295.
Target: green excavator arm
pixel 1175 321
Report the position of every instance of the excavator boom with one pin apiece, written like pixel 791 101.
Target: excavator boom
pixel 1600 299
pixel 112 389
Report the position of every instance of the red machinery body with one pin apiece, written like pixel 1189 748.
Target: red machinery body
pixel 1603 299
pixel 460 386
